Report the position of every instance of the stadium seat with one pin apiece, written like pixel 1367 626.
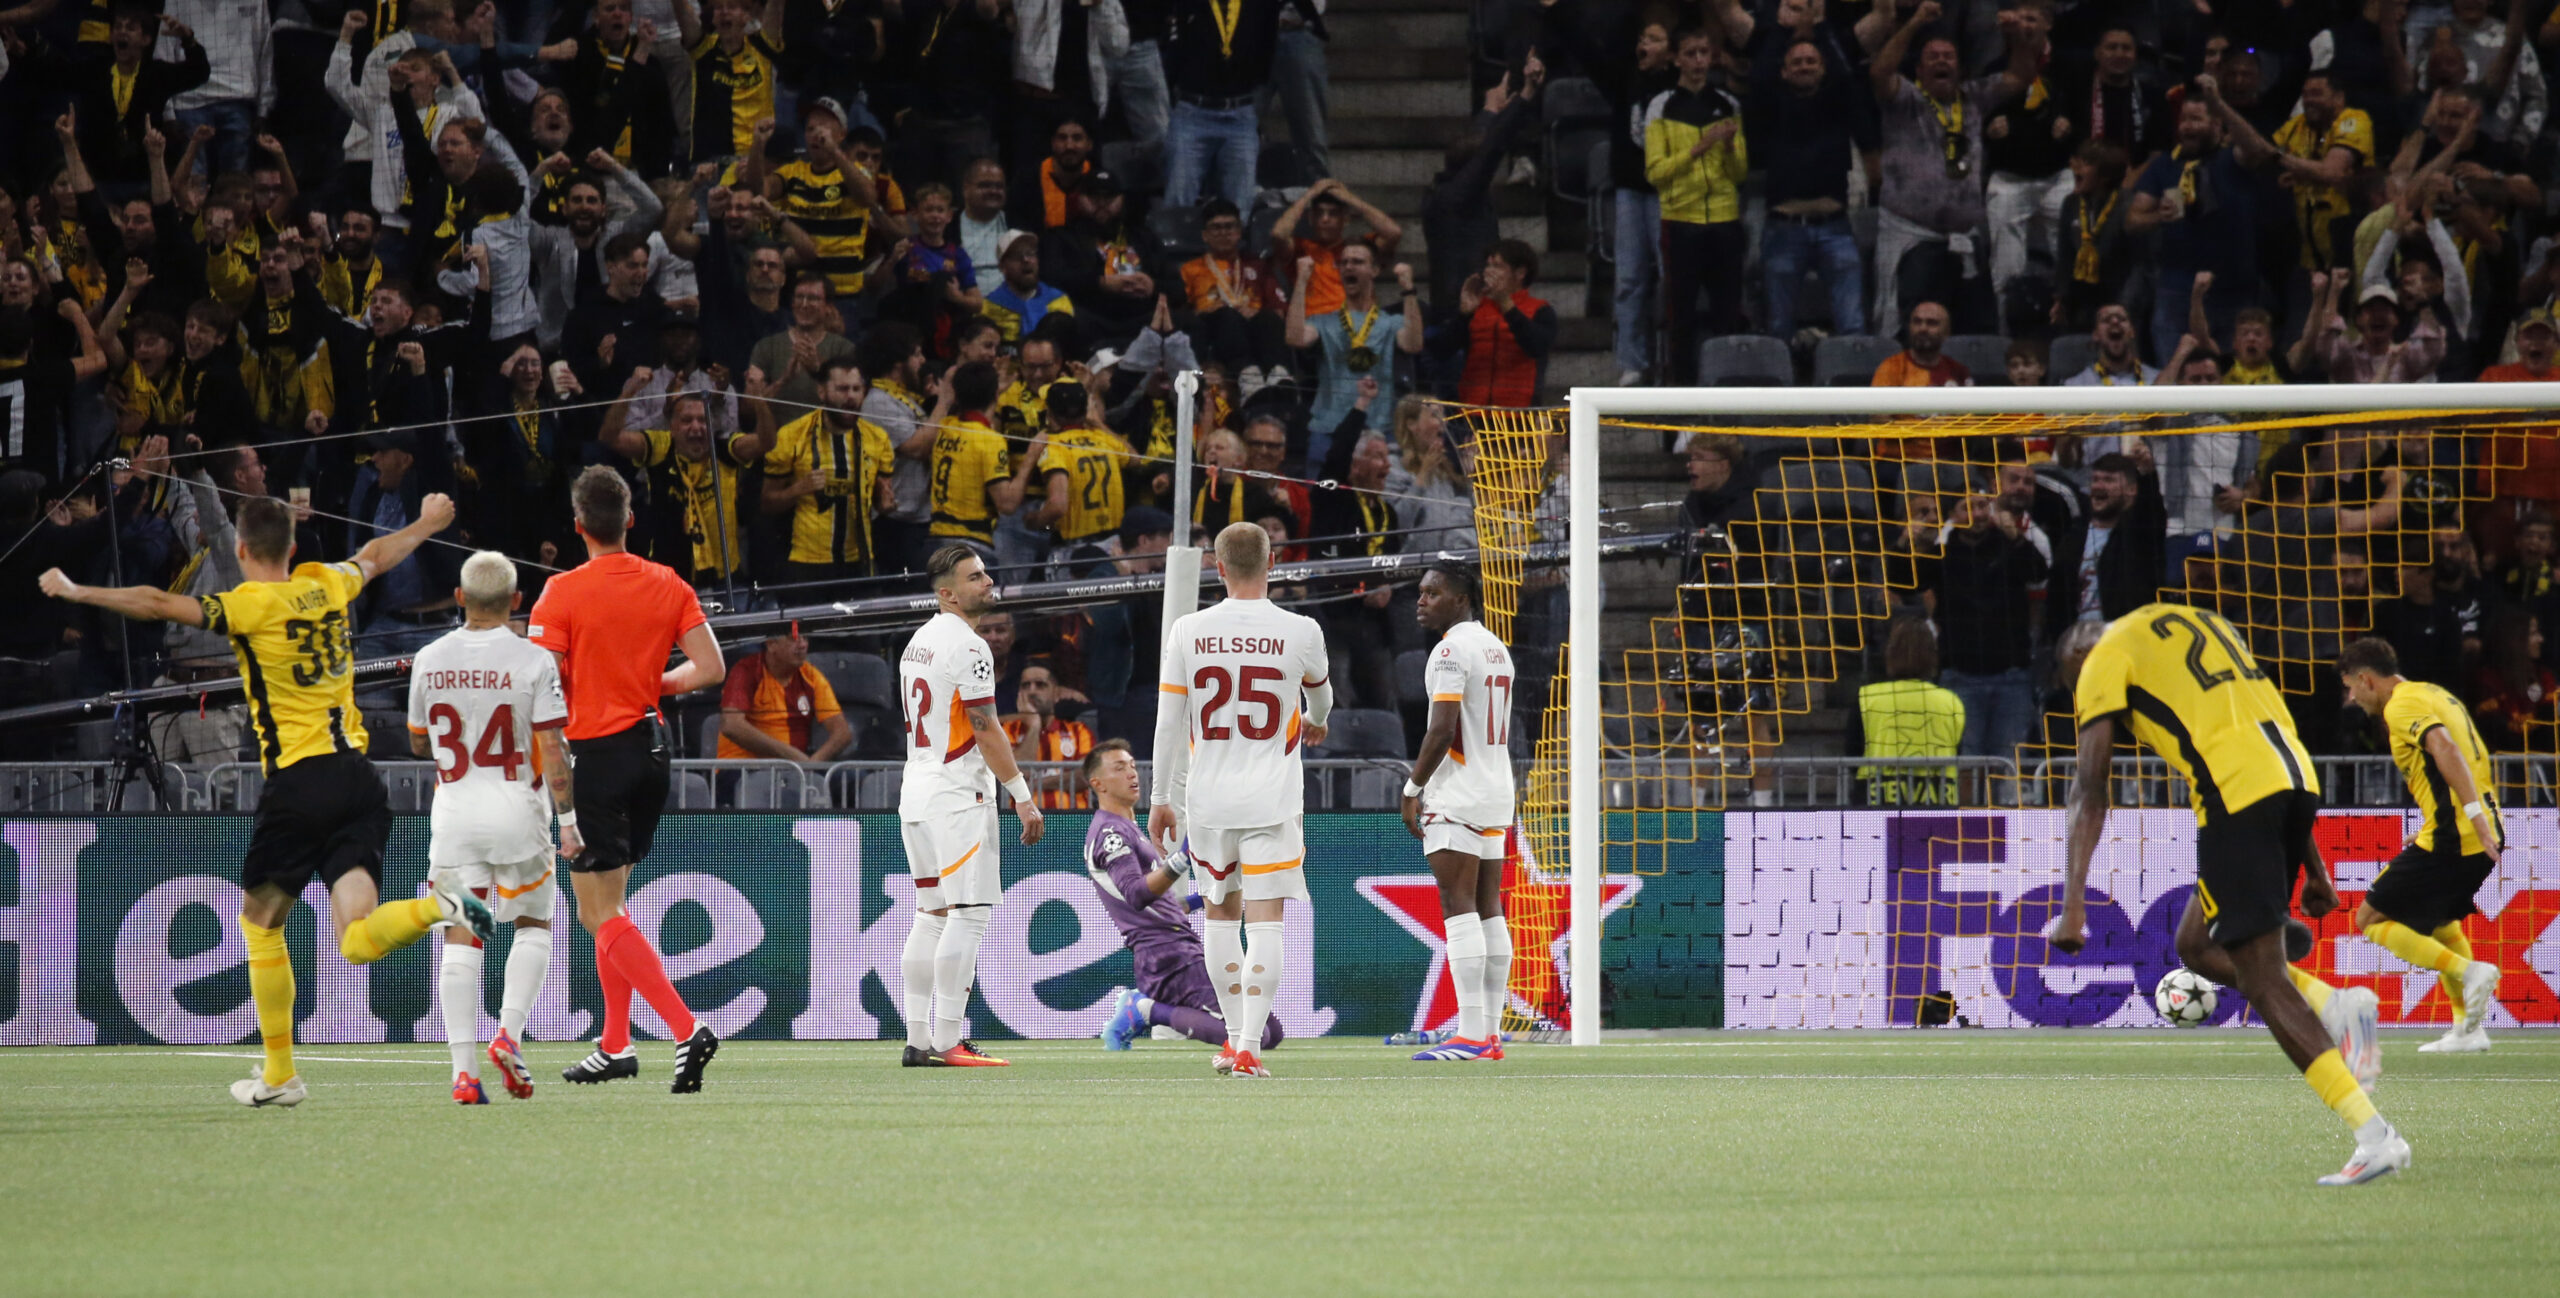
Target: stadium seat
pixel 1410 686
pixel 1986 355
pixel 859 678
pixel 1176 230
pixel 387 736
pixel 1577 116
pixel 1745 360
pixel 707 745
pixel 1850 360
pixel 2069 354
pixel 1141 171
pixel 1362 732
pixel 411 785
pixel 689 791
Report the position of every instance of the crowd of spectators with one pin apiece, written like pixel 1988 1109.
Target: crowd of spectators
pixel 833 283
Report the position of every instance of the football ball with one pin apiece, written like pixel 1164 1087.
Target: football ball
pixel 2184 998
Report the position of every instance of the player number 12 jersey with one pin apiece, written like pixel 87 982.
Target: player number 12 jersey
pixel 946 670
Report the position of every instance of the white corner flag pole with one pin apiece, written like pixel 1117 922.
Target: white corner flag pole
pixel 1182 558
pixel 1582 714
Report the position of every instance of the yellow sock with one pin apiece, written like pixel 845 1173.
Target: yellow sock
pixel 2415 947
pixel 391 926
pixel 271 989
pixel 2337 1088
pixel 2312 989
pixel 2459 943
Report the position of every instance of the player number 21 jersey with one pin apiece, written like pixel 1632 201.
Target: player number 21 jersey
pixel 1472 669
pixel 946 670
pixel 478 696
pixel 1242 667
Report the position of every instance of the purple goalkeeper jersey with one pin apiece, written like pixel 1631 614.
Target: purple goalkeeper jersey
pixel 1119 857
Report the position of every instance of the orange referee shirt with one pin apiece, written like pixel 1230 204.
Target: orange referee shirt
pixel 614 620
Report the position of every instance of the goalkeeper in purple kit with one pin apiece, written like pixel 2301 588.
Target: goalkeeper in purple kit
pixel 1134 879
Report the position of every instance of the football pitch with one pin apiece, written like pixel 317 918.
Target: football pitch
pixel 1815 1163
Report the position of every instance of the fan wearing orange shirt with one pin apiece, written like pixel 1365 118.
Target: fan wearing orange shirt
pixel 774 705
pixel 1326 207
pixel 1041 732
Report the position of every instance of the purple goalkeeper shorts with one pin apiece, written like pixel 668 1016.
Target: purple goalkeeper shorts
pixel 1173 973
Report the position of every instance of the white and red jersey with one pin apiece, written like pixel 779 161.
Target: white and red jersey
pixel 1472 786
pixel 478 696
pixel 1239 672
pixel 946 670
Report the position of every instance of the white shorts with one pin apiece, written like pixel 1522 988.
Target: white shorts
pixel 953 859
pixel 1265 864
pixel 523 890
pixel 1440 834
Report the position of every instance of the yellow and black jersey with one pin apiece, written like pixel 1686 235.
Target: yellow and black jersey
pixel 968 458
pixel 231 266
pixel 296 648
pixel 1092 459
pixel 1021 412
pixel 837 222
pixel 346 292
pixel 2190 691
pixel 833 523
pixel 2417 707
pixel 2316 208
pixel 706 490
pixel 731 93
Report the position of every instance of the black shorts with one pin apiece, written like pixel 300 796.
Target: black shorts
pixel 2247 862
pixel 621 785
pixel 2427 890
pixel 322 816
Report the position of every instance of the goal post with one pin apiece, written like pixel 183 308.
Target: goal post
pixel 1883 417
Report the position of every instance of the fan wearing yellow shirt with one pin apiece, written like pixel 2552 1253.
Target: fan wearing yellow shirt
pixel 734 71
pixel 2415 909
pixel 2179 678
pixel 324 811
pixel 1084 468
pixel 829 470
pixel 2316 152
pixel 971 484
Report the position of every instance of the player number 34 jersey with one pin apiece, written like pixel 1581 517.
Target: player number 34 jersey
pixel 1472 669
pixel 946 670
pixel 478 696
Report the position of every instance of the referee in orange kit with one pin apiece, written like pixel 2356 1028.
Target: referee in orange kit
pixel 611 622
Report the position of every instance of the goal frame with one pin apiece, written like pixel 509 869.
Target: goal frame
pixel 1587 407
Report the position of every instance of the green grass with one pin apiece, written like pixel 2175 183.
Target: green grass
pixel 1974 1163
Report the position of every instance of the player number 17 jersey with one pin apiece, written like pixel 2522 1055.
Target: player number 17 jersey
pixel 1471 668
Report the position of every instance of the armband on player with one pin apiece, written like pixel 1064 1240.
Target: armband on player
pixel 1020 788
pixel 568 820
pixel 1411 789
pixel 2474 810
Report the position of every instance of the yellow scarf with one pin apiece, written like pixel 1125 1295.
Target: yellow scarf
pixel 2084 266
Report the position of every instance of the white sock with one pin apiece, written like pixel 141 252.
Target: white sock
pixel 458 986
pixel 1466 969
pixel 916 963
pixel 528 964
pixel 1261 982
pixel 955 966
pixel 2375 1131
pixel 1497 970
pixel 1222 949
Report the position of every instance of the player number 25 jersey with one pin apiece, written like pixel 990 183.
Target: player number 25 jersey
pixel 478 696
pixel 1472 669
pixel 946 670
pixel 1240 669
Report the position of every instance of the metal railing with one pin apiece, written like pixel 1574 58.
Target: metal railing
pixel 93 788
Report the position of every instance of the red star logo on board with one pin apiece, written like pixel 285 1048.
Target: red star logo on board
pixel 1538 905
pixel 2504 938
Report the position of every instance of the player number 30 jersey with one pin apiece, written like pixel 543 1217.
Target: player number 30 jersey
pixel 946 670
pixel 478 696
pixel 1472 669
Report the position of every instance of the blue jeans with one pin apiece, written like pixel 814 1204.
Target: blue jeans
pixel 1787 249
pixel 1137 81
pixel 233 122
pixel 1997 710
pixel 1212 150
pixel 1304 85
pixel 1638 226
